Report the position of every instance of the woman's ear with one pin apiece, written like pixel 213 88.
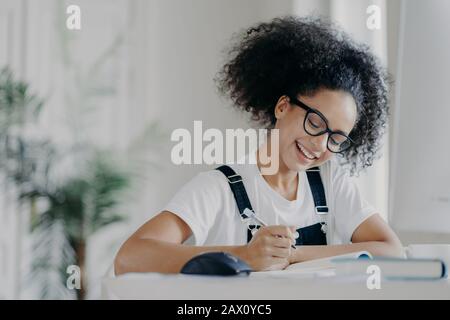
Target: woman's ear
pixel 282 107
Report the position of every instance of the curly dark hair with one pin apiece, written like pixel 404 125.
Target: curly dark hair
pixel 293 55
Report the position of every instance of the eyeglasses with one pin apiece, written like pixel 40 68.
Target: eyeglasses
pixel 315 124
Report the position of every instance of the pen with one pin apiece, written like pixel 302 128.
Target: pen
pixel 250 213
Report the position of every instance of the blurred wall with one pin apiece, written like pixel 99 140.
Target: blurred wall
pixel 162 70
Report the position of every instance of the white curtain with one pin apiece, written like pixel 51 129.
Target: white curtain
pixel 55 62
pixel 11 34
pixel 352 16
pixel 163 70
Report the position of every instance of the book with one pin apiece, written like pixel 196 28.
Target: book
pixel 390 268
pixel 362 264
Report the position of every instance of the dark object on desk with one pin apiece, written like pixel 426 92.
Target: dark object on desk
pixel 216 263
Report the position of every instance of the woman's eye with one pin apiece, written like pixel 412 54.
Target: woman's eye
pixel 334 142
pixel 314 125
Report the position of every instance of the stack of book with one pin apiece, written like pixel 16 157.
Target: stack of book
pixel 363 263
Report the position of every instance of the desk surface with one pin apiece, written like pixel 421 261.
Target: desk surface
pixel 178 287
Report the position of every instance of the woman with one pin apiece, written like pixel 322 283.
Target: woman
pixel 326 95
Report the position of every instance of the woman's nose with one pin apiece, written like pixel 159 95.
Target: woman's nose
pixel 319 143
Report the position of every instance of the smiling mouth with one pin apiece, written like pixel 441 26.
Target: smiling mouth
pixel 305 152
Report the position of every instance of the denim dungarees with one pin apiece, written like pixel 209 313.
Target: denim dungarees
pixel 310 235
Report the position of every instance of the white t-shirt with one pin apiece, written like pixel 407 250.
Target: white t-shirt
pixel 206 203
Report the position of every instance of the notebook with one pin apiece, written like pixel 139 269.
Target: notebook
pixel 319 267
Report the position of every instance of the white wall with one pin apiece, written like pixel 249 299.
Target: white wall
pixel 163 71
pixel 180 59
pixel 184 44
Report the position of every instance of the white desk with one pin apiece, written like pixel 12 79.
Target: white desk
pixel 178 287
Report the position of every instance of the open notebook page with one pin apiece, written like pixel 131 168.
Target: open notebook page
pixel 323 266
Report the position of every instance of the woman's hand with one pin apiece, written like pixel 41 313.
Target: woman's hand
pixel 270 248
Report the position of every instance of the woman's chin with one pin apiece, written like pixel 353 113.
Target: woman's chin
pixel 295 165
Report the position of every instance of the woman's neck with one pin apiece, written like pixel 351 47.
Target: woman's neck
pixel 284 181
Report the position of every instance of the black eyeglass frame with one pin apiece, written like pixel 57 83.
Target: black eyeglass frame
pixel 309 110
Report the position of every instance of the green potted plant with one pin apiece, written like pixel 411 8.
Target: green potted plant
pixel 65 212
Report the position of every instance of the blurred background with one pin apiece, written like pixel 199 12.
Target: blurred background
pixel 86 117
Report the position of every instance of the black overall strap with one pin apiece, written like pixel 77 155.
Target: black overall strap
pixel 310 235
pixel 317 190
pixel 240 195
pixel 238 188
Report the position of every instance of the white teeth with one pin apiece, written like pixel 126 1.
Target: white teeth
pixel 305 152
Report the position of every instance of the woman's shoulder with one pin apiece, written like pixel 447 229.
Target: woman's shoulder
pixel 334 173
pixel 216 181
pixel 245 170
pixel 211 178
pixel 203 187
pixel 334 168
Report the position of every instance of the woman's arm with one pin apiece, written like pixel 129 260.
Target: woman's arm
pixel 158 246
pixel 373 235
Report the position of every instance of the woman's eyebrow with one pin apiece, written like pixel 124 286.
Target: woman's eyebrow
pixel 296 100
pixel 328 122
pixel 341 132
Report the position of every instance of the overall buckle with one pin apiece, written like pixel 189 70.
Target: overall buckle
pixel 237 178
pixel 321 210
